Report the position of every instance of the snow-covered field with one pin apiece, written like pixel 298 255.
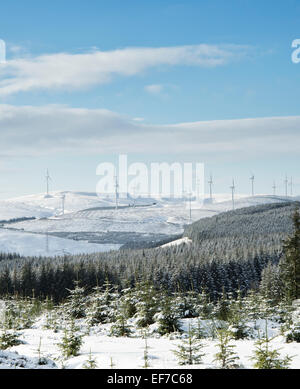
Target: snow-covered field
pixel 128 353
pixel 86 213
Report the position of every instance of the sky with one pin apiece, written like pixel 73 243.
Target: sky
pixel 160 81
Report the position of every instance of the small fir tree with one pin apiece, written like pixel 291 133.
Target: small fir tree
pixel 189 351
pixel 75 307
pixel 168 317
pixel 8 338
pixel 226 357
pixel 71 341
pixel 147 303
pixel 120 326
pixel 90 363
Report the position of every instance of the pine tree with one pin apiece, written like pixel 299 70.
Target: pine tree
pixel 75 307
pixel 71 341
pixel 271 285
pixel 204 307
pixel 290 264
pixel 129 301
pixel 168 317
pixel 120 326
pixel 226 357
pixel 102 304
pixel 189 351
pixel 265 358
pixel 10 315
pixel 90 363
pixel 8 339
pixel 146 305
pixel 186 304
pixel 146 354
pixel 238 318
pixel 223 309
pixel 41 360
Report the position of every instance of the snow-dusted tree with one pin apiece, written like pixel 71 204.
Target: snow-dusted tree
pixel 290 263
pixel 238 319
pixel 90 363
pixel 102 304
pixel 167 317
pixel 223 308
pixel 146 353
pixel 254 306
pixel 186 304
pixel 120 326
pixel 265 358
pixel 146 305
pixel 271 285
pixel 8 338
pixel 75 306
pixel 189 350
pixel 129 300
pixel 71 340
pixel 204 307
pixel 51 315
pixel 226 357
pixel 11 314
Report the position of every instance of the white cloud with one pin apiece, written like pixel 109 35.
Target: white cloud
pixel 30 131
pixel 138 119
pixel 76 71
pixel 154 89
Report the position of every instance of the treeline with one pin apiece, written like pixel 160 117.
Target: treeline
pixel 228 253
pixel 16 220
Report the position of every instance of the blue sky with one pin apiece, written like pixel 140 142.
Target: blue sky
pixel 110 60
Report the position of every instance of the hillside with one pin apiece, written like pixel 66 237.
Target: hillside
pixel 95 221
pixel 260 221
pixel 228 251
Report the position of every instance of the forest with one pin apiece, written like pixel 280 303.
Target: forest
pixel 229 252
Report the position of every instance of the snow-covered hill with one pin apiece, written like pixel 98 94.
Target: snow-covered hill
pixel 93 219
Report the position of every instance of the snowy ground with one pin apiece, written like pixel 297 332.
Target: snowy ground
pixel 129 352
pixel 86 214
pixel 177 242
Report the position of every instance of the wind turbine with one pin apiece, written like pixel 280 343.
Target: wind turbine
pixel 210 187
pixel 274 188
pixel 286 181
pixel 63 198
pixel 116 191
pixel 48 178
pixel 190 203
pixel 252 184
pixel 291 185
pixel 232 193
pixel 188 198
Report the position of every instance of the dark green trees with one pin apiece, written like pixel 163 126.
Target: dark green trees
pixel 290 264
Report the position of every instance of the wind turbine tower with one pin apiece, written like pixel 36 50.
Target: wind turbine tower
pixel 210 187
pixel 48 178
pixel 291 185
pixel 232 193
pixel 274 188
pixel 252 185
pixel 286 181
pixel 190 204
pixel 117 191
pixel 63 198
